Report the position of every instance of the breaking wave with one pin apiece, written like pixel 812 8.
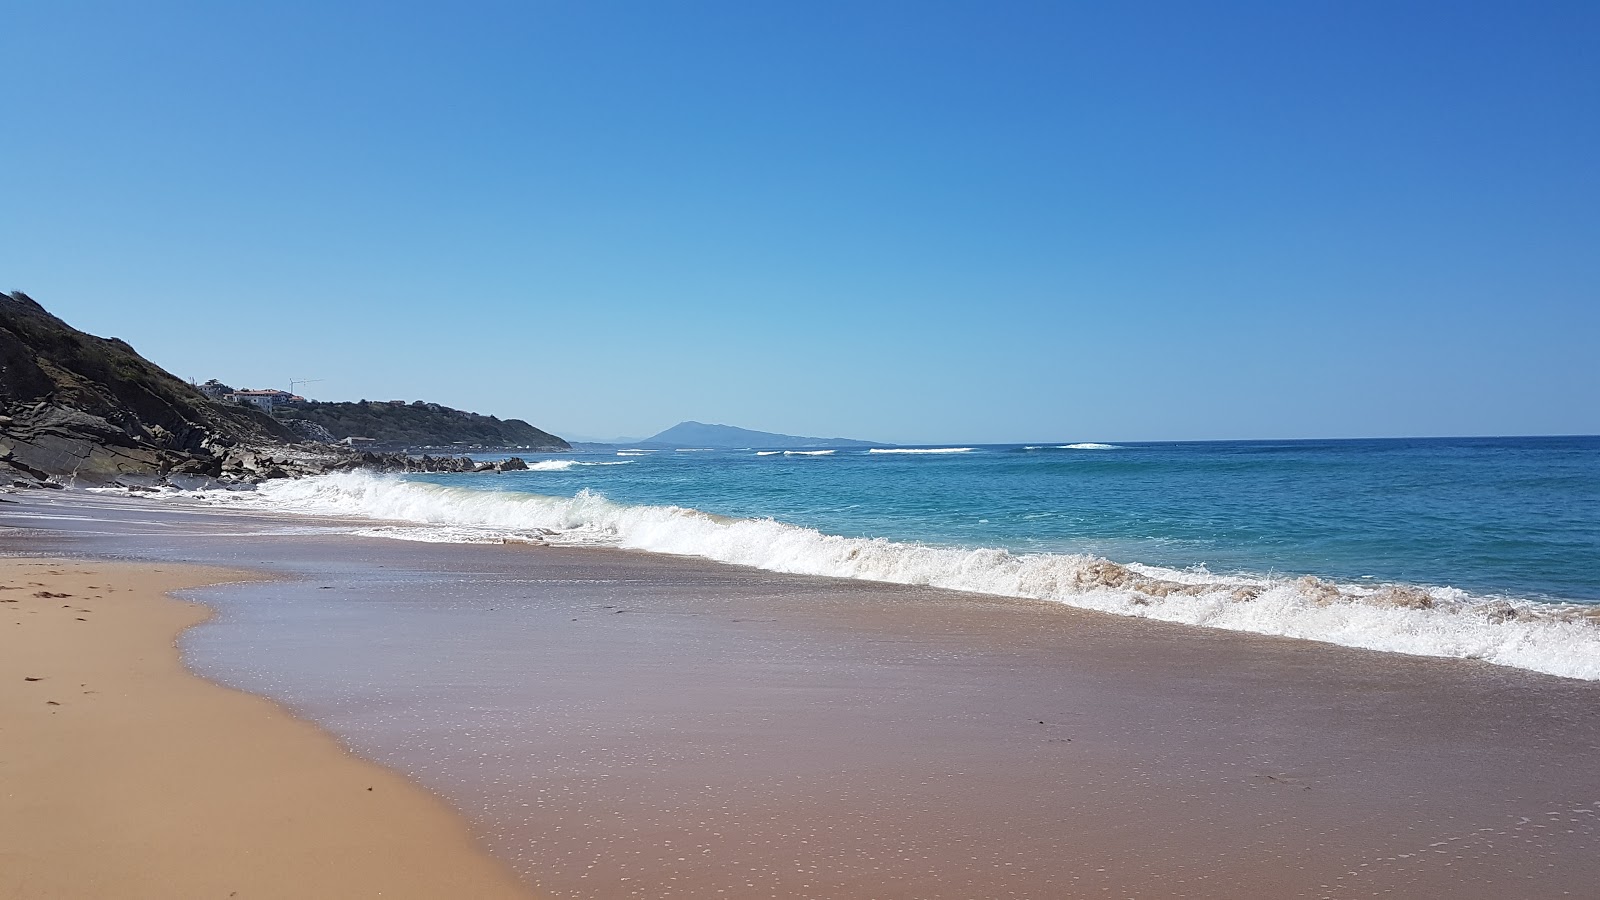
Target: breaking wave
pixel 808 453
pixel 1089 447
pixel 915 450
pixel 561 465
pixel 1559 639
pixel 769 452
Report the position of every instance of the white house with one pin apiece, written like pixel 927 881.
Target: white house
pixel 264 399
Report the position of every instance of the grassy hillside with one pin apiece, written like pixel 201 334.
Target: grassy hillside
pixel 421 425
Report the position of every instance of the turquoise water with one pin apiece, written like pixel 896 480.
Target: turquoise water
pixel 1486 549
pixel 1517 516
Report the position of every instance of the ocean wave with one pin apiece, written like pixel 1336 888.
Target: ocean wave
pixel 917 450
pixel 551 465
pixel 1088 447
pixel 769 452
pixel 808 453
pixel 561 465
pixel 1559 639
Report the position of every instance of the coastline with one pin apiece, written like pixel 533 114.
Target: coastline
pixel 615 723
pixel 126 775
pixel 1514 628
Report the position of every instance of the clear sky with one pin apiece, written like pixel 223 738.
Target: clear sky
pixel 911 222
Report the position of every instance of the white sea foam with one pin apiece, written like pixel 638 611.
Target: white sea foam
pixel 1431 621
pixel 561 465
pixel 769 452
pixel 1089 447
pixel 808 453
pixel 917 450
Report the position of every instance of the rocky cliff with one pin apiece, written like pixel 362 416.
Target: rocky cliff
pixel 90 409
pixel 80 409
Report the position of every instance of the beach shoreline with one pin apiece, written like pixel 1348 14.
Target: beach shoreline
pixel 615 723
pixel 126 775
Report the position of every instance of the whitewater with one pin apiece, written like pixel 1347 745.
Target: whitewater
pixel 1527 630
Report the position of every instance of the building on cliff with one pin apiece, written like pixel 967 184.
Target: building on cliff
pixel 215 390
pixel 264 399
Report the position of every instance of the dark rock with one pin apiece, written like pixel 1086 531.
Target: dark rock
pixel 82 409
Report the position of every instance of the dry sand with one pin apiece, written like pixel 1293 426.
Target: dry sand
pixel 123 775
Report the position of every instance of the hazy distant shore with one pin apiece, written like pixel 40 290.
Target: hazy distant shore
pixel 614 722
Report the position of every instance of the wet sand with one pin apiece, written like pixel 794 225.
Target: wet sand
pixel 618 724
pixel 122 775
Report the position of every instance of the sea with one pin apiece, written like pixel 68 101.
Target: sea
pixel 1479 548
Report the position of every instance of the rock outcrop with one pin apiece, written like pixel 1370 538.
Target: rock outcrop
pixel 85 410
pixel 91 410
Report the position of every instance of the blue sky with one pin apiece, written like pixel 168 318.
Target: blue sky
pixel 913 222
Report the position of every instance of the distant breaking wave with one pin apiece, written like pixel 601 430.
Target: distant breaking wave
pixel 1559 639
pixel 808 453
pixel 1075 447
pixel 913 450
pixel 561 465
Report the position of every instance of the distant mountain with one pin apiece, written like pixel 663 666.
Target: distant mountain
pixel 698 435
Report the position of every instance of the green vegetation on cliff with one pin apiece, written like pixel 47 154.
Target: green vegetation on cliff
pixel 421 425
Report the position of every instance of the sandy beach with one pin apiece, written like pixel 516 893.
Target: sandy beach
pixel 622 724
pixel 123 775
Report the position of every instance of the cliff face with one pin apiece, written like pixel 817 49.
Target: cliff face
pixel 77 408
pixel 89 408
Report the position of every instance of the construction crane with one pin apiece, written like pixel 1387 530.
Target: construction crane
pixel 295 381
